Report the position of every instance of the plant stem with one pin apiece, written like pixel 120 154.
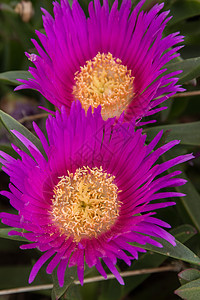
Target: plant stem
pixel 185 94
pixel 33 117
pixel 173 268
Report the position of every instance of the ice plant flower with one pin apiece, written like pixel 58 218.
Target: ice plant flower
pixel 91 195
pixel 114 58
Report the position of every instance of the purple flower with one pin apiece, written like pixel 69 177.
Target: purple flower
pixel 114 58
pixel 92 195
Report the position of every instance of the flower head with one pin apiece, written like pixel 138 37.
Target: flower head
pixel 92 195
pixel 114 58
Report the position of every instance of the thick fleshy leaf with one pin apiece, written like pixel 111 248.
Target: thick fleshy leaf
pixel 147 260
pixel 179 131
pixel 10 123
pixel 4 234
pixel 69 289
pixel 73 293
pixel 191 201
pixel 189 204
pixel 12 76
pixel 111 290
pixel 9 150
pixel 188 275
pixel 189 291
pixel 70 277
pixel 190 68
pixel 183 233
pixel 180 251
pixel 184 9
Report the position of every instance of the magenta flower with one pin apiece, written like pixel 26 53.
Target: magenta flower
pixel 92 196
pixel 114 58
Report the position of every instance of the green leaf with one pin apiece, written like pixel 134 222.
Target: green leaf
pixel 10 123
pixel 9 150
pixel 68 287
pixel 189 291
pixel 70 277
pixel 188 29
pixel 191 201
pixel 180 251
pixel 183 233
pixel 4 234
pixel 73 293
pixel 184 9
pixel 112 290
pixel 148 260
pixel 188 275
pixel 179 131
pixel 11 76
pixel 190 68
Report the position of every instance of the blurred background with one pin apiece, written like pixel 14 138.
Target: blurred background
pixel 18 21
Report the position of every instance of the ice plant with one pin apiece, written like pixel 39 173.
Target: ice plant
pixel 114 58
pixel 91 195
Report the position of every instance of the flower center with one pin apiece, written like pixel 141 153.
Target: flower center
pixel 85 203
pixel 104 81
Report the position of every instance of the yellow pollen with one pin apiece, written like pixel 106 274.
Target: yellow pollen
pixel 85 203
pixel 104 81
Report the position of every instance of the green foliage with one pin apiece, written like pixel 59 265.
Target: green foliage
pixel 10 123
pixel 150 259
pixel 189 291
pixel 179 252
pixel 191 201
pixel 12 76
pixel 4 234
pixel 70 277
pixel 180 132
pixel 184 9
pixel 188 275
pixel 190 69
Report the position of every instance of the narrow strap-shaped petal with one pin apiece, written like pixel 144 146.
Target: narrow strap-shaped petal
pixel 113 269
pixel 39 264
pixel 61 271
pixel 100 269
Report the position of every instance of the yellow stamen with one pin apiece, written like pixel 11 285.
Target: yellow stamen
pixel 85 203
pixel 104 81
